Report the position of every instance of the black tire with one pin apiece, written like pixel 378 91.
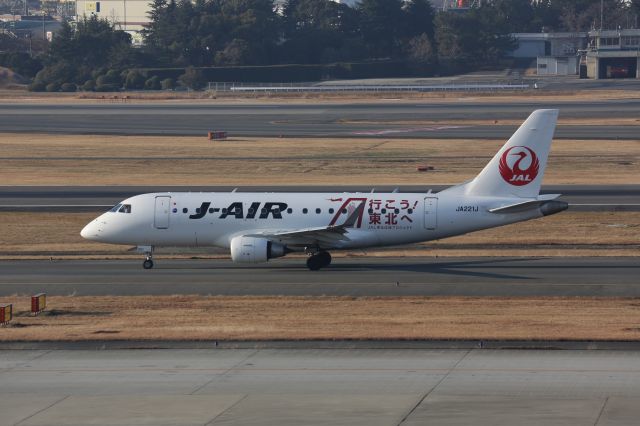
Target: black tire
pixel 313 263
pixel 147 264
pixel 325 259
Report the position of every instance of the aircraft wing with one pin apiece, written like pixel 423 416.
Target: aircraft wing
pixel 323 236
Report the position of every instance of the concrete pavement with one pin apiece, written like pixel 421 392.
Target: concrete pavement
pixel 313 387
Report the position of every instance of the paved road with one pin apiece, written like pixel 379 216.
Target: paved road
pixel 335 120
pixel 313 387
pixel 98 198
pixel 355 277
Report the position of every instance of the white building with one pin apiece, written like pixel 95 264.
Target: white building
pixel 127 15
pixel 551 65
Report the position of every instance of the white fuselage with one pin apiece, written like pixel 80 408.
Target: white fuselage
pixel 214 219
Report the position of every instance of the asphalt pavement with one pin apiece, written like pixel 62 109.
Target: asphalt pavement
pixel 314 120
pixel 367 276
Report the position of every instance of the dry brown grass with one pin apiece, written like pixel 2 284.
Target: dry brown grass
pixel 23 96
pixel 118 160
pixel 37 235
pixel 307 318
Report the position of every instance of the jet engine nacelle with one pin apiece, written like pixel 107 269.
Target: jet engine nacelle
pixel 255 250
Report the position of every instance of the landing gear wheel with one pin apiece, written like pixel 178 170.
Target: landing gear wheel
pixel 147 264
pixel 313 263
pixel 325 258
pixel 319 260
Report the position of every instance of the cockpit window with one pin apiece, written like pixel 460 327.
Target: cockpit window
pixel 115 208
pixel 126 208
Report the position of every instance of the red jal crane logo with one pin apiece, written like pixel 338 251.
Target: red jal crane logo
pixel 512 165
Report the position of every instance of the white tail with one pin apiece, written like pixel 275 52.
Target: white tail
pixel 517 169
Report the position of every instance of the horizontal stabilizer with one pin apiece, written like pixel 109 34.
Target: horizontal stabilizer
pixel 525 205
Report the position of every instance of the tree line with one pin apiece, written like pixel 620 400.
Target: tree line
pixel 95 55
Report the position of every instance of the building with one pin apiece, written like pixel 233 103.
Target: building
pixel 127 15
pixel 555 53
pixel 132 15
pixel 533 45
pixel 33 26
pixel 613 54
pixel 549 65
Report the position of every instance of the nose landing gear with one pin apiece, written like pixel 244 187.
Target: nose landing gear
pixel 148 254
pixel 148 263
pixel 318 260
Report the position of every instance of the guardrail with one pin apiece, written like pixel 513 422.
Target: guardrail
pixel 316 87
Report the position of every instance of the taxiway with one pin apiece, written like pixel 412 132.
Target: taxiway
pixel 368 276
pixel 315 120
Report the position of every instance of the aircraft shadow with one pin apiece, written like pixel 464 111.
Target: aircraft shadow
pixel 462 268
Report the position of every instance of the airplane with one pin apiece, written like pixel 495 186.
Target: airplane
pixel 257 227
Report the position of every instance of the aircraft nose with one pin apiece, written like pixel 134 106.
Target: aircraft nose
pixel 91 231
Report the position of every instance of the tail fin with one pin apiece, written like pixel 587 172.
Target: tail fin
pixel 517 169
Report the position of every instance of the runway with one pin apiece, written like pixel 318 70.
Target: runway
pixel 320 120
pixel 99 198
pixel 315 386
pixel 368 276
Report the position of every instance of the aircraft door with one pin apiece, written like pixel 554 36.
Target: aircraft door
pixel 161 216
pixel 430 213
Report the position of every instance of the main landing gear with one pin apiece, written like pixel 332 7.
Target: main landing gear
pixel 318 260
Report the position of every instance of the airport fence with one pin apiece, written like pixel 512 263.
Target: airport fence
pixel 324 87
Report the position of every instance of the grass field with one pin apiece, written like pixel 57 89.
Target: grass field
pixel 571 94
pixel 134 160
pixel 310 318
